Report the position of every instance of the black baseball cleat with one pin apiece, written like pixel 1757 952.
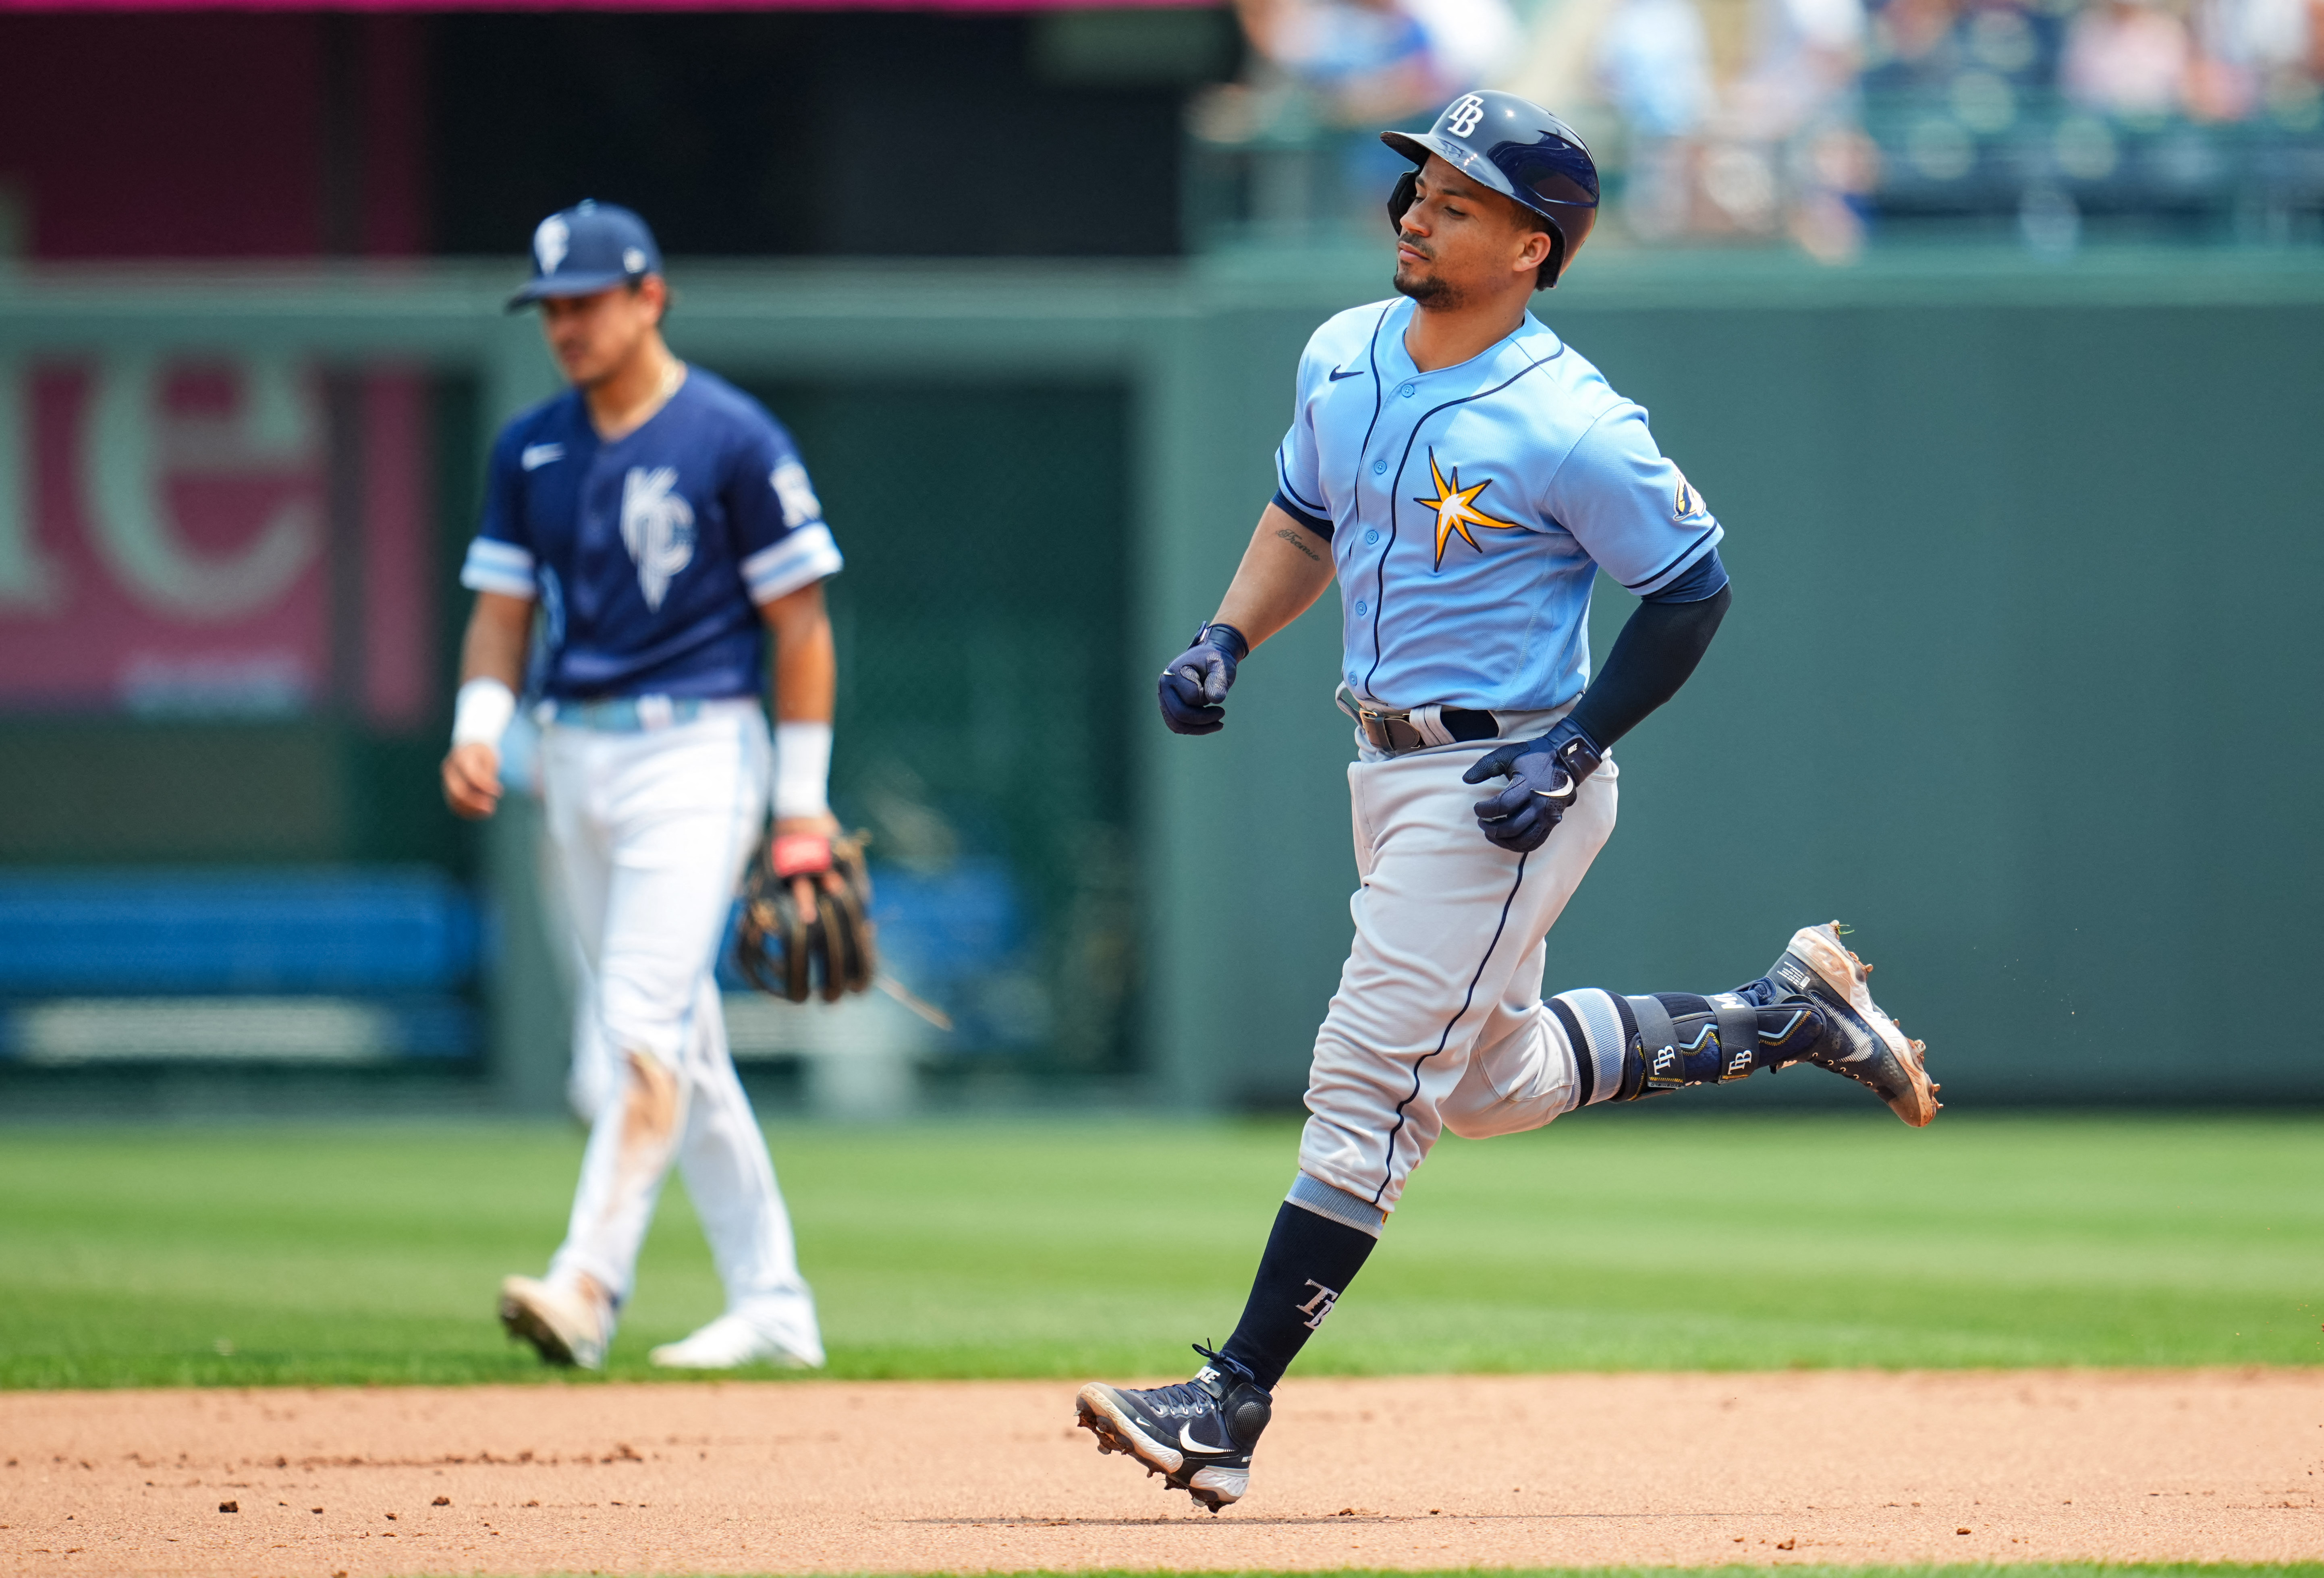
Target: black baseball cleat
pixel 1197 1434
pixel 1860 1041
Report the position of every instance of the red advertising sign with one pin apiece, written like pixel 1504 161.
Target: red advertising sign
pixel 166 546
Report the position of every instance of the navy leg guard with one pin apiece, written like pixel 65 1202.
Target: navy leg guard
pixel 1635 1047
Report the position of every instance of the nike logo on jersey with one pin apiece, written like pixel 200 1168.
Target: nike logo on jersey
pixel 1187 1441
pixel 1340 373
pixel 537 455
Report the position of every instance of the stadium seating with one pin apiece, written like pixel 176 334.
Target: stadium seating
pixel 349 965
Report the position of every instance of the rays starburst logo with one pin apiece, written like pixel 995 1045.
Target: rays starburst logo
pixel 1456 509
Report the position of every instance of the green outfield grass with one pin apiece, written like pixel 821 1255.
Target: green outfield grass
pixel 1629 1241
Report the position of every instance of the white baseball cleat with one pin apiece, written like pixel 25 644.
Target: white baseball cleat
pixel 727 1343
pixel 566 1325
pixel 1860 1041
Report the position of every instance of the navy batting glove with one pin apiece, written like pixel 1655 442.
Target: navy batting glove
pixel 1194 687
pixel 1545 775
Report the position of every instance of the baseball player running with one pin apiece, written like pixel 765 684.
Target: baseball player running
pixel 658 523
pixel 1464 474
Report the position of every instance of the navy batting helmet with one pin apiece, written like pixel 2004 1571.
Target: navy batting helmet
pixel 1522 151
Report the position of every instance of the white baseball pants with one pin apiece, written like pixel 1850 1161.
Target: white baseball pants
pixel 1438 1021
pixel 651 830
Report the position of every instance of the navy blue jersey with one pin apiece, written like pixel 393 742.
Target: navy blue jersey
pixel 650 553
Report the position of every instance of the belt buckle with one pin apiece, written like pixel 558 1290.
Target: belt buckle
pixel 1389 731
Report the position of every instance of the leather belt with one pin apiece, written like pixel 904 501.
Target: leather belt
pixel 1398 732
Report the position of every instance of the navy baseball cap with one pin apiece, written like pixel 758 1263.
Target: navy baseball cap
pixel 589 247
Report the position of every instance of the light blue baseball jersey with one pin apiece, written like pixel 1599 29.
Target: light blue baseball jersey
pixel 649 553
pixel 1470 509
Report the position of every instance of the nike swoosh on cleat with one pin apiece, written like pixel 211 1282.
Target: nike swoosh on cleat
pixel 1186 1440
pixel 1337 374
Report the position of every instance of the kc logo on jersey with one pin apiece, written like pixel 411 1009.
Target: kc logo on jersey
pixel 657 528
pixel 1456 509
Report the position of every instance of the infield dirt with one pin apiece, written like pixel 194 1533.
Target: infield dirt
pixel 1417 1472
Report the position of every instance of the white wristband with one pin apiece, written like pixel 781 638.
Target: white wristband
pixel 480 716
pixel 802 769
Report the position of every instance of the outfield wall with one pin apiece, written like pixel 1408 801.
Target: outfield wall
pixel 2017 679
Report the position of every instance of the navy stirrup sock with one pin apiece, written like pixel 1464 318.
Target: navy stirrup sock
pixel 1309 1262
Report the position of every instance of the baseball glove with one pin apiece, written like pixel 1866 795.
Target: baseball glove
pixel 786 951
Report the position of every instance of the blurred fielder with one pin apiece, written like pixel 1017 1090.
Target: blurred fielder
pixel 658 523
pixel 1465 475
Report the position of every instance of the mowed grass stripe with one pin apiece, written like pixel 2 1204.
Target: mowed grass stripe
pixel 1637 1240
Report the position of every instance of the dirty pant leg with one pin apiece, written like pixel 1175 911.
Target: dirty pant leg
pixel 1447 958
pixel 652 830
pixel 724 1160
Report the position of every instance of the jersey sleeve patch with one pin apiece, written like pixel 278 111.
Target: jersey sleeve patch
pixel 1632 510
pixel 796 495
pixel 493 565
pixel 801 558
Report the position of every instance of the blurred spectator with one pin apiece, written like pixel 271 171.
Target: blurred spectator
pixel 2246 48
pixel 1809 53
pixel 1381 60
pixel 2126 58
pixel 1653 68
pixel 1793 150
pixel 2003 38
pixel 1755 119
pixel 1916 39
pixel 1654 65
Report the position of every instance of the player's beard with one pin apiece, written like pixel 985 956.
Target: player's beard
pixel 1433 291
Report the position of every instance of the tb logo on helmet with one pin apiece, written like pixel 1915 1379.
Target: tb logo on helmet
pixel 1466 112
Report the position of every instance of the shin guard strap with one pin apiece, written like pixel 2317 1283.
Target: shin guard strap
pixel 1738 1036
pixel 1666 1070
